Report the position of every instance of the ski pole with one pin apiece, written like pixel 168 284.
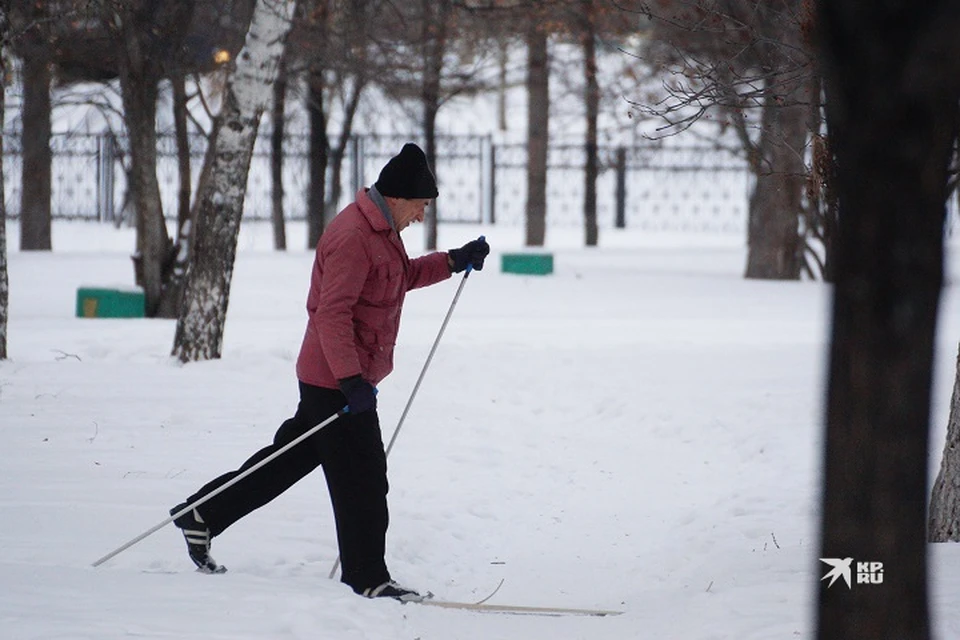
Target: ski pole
pixel 222 488
pixel 416 387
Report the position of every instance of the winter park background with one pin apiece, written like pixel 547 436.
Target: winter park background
pixel 640 431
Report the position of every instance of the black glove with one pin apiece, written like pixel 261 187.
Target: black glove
pixel 471 253
pixel 360 394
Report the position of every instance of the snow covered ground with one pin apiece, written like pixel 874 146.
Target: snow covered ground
pixel 638 431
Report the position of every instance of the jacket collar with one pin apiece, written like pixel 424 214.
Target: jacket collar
pixel 379 219
pixel 381 203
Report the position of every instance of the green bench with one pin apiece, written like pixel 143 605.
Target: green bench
pixel 93 302
pixel 538 264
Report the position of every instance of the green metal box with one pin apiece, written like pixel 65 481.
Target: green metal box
pixel 538 264
pixel 109 303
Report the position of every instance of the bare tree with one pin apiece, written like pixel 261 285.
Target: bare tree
pixel 141 42
pixel 142 60
pixel 4 278
pixel 944 519
pixel 337 50
pixel 319 153
pixel 181 101
pixel 589 22
pixel 435 24
pixel 350 89
pixel 536 24
pixel 34 23
pixel 892 84
pixel 538 136
pixel 440 50
pixel 278 119
pixel 532 24
pixel 590 25
pixel 747 64
pixel 588 42
pixel 222 188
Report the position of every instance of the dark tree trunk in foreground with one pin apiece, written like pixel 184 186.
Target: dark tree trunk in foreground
pixel 538 108
pixel 892 88
pixel 221 191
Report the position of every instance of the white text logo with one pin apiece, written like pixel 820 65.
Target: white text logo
pixel 867 572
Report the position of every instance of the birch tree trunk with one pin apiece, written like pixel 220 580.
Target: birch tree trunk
pixel 944 525
pixel 220 194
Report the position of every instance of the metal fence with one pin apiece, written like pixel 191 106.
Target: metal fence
pixel 692 189
pixel 651 188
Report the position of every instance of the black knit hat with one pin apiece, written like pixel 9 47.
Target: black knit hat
pixel 407 175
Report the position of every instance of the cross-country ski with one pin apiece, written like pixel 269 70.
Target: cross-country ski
pixel 512 609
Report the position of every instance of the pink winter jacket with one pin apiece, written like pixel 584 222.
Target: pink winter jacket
pixel 361 275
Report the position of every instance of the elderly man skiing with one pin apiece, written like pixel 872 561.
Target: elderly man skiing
pixel 360 277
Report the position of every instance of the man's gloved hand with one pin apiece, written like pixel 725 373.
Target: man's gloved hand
pixel 360 394
pixel 471 253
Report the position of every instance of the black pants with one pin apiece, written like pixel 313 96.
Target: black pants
pixel 351 452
